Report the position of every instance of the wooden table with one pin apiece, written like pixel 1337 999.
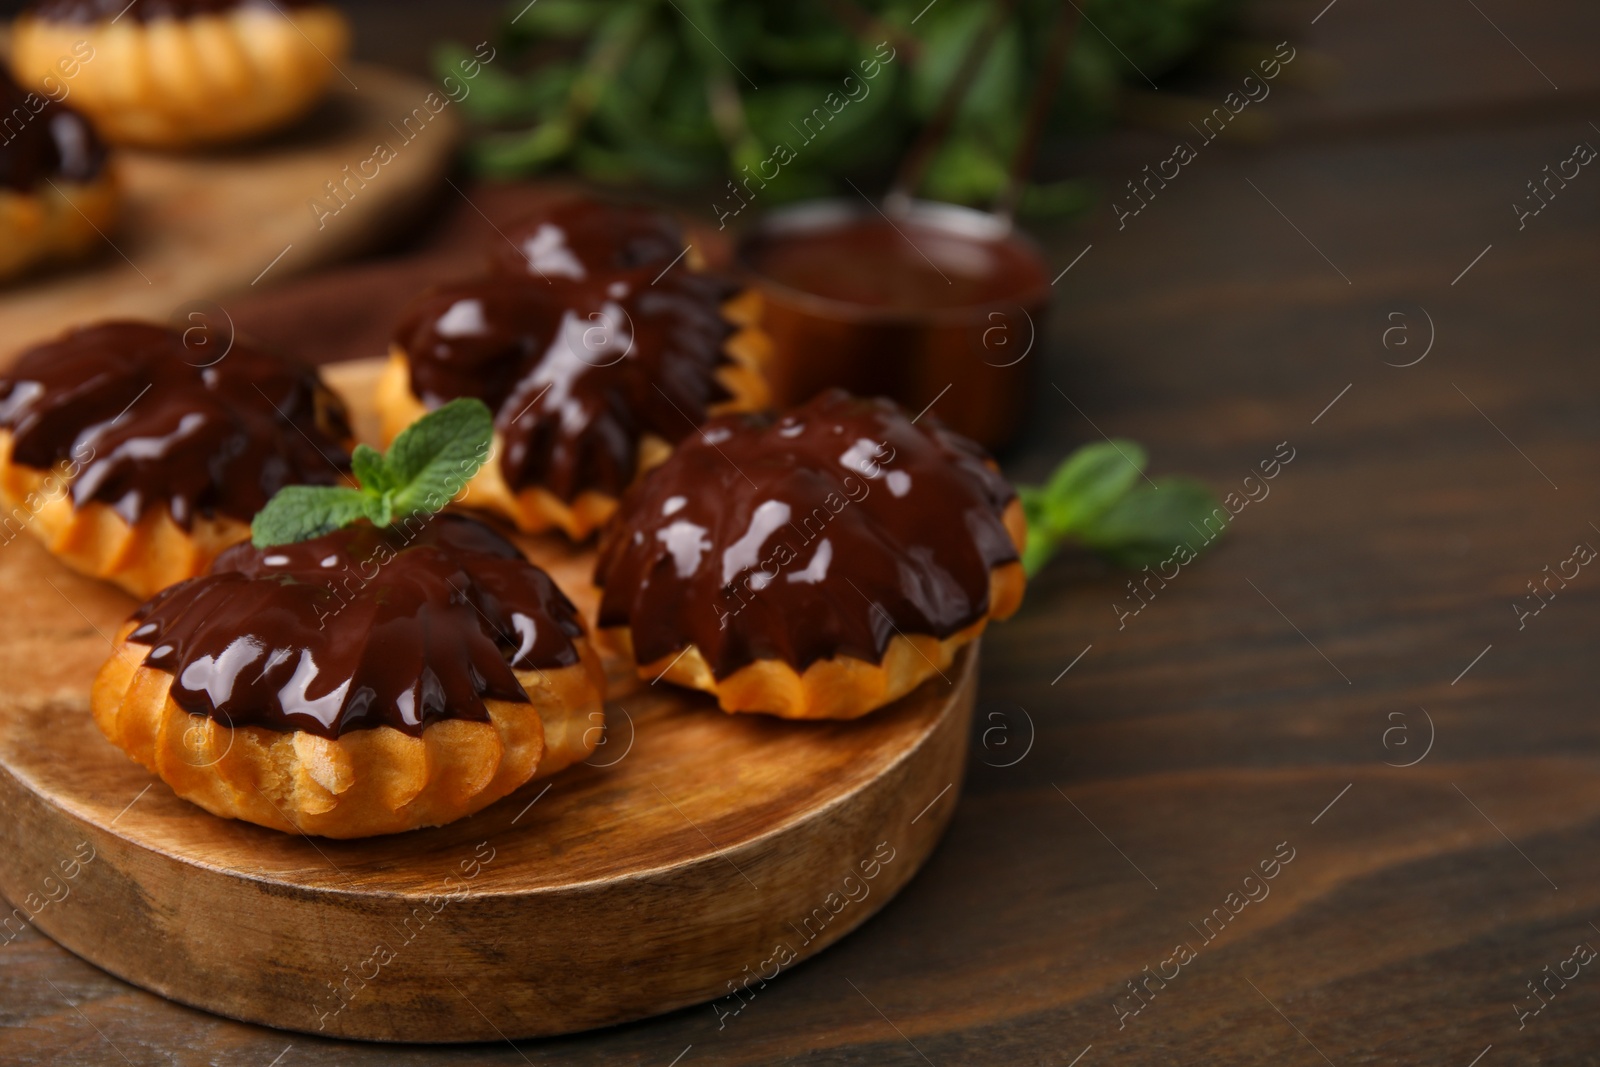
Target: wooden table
pixel 1125 781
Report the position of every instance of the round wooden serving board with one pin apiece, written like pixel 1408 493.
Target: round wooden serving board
pixel 695 855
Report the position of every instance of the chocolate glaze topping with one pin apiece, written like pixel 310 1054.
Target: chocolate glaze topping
pixel 575 241
pixel 817 535
pixel 140 423
pixel 40 139
pixel 147 10
pixel 403 626
pixel 580 344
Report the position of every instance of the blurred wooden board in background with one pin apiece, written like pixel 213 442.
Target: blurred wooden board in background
pixel 202 227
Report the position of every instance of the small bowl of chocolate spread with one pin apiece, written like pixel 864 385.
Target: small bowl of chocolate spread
pixel 926 302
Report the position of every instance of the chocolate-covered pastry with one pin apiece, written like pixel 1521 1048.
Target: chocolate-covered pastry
pixel 596 350
pixel 44 141
pixel 138 459
pixel 57 191
pixel 182 73
pixel 364 682
pixel 819 565
pixel 585 242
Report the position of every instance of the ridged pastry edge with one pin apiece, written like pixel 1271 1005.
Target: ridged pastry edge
pixel 840 687
pixel 177 83
pixel 363 783
pixel 59 220
pixel 143 558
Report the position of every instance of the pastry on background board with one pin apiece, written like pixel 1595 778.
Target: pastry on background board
pixel 58 190
pixel 183 73
pixel 599 345
pixel 137 457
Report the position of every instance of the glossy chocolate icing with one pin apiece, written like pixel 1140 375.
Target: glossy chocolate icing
pixel 576 241
pixel 82 11
pixel 402 626
pixel 42 140
pixel 141 424
pixel 582 354
pixel 821 534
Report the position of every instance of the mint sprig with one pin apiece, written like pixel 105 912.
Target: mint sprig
pixel 427 466
pixel 1099 497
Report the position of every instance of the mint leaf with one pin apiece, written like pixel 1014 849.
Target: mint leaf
pixel 1148 525
pixel 1098 498
pixel 428 465
pixel 1090 481
pixel 433 459
pixel 1043 538
pixel 301 512
pixel 370 470
pixel 380 508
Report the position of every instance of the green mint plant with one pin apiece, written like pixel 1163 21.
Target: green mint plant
pixel 425 468
pixel 698 92
pixel 1100 497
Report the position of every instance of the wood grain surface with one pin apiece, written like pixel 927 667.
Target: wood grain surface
pixel 1262 684
pixel 207 226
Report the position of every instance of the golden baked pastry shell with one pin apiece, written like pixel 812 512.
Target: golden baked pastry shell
pixel 57 221
pixel 840 687
pixel 363 783
pixel 186 82
pixel 143 557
